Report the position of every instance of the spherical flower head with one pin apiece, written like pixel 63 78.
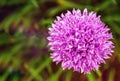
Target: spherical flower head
pixel 80 41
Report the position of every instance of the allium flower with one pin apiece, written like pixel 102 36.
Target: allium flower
pixel 80 41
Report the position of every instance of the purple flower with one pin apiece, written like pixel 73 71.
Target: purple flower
pixel 80 41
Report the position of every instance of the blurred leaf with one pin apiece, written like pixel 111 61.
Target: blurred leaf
pixel 66 5
pixel 55 76
pixel 7 22
pixel 19 36
pixel 111 75
pixel 16 78
pixel 13 2
pixel 88 2
pixel 42 43
pixel 73 5
pixel 68 76
pixel 14 50
pixel 27 22
pixel 99 73
pixel 117 49
pixel 35 3
pixel 4 38
pixel 106 4
pixel 5 75
pixel 41 1
pixel 115 27
pixel 34 74
pixel 69 4
pixel 49 69
pixel 26 9
pixel 17 62
pixel 114 1
pixel 32 40
pixel 111 18
pixel 34 61
pixel 91 77
pixel 15 17
pixel 45 22
pixel 46 62
pixel 3 2
pixel 53 11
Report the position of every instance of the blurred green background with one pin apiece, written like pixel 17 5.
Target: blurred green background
pixel 24 55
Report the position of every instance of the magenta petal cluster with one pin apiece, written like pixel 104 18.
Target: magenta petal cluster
pixel 80 40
